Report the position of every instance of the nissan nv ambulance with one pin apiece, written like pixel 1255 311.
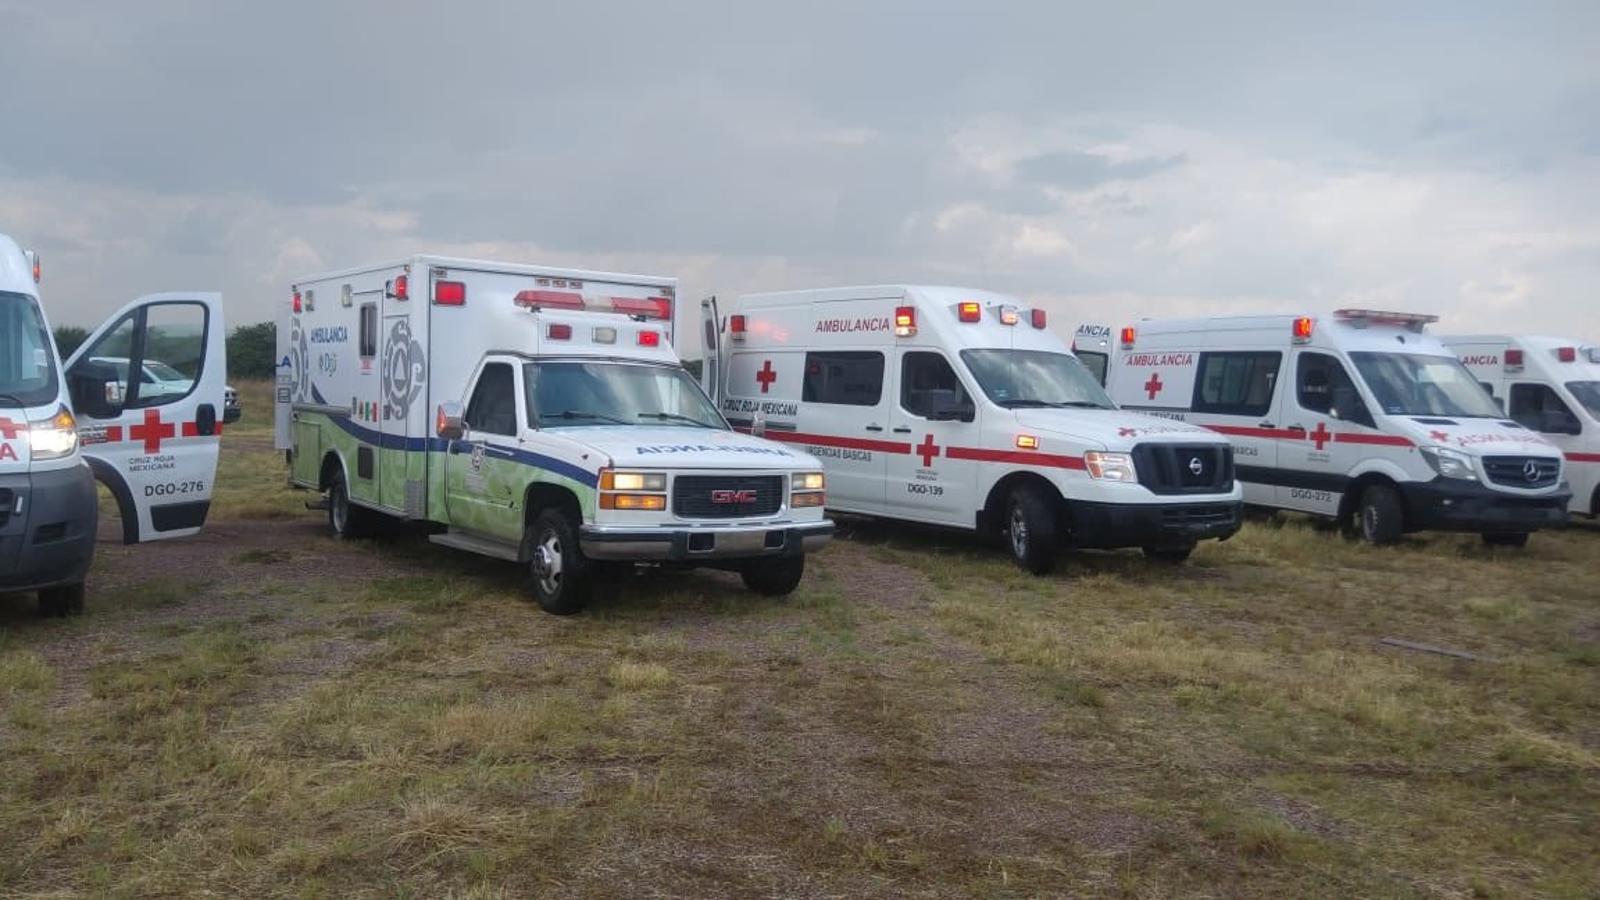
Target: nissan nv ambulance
pixel 1360 416
pixel 63 428
pixel 960 408
pixel 1551 386
pixel 533 414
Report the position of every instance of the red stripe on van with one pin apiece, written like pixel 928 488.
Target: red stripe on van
pixel 1584 457
pixel 1381 440
pixel 1020 457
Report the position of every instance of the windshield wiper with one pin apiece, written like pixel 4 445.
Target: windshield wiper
pixel 675 417
pixel 1052 404
pixel 583 414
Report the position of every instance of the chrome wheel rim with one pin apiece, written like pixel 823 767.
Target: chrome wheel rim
pixel 339 505
pixel 547 564
pixel 1369 522
pixel 1019 533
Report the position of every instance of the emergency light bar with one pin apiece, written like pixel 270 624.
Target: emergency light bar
pixel 400 287
pixel 33 262
pixel 1009 315
pixel 905 321
pixel 450 293
pixel 1302 329
pixel 1513 359
pixel 1362 317
pixel 1128 334
pixel 296 301
pixel 736 327
pixel 969 311
pixel 648 307
pixel 1037 317
pixel 1567 354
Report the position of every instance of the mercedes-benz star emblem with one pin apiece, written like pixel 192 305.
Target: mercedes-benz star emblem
pixel 1196 466
pixel 1530 470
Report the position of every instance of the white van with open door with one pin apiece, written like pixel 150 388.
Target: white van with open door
pixel 61 429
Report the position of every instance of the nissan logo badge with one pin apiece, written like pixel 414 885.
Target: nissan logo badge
pixel 1196 466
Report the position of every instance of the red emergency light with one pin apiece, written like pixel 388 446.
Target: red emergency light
pixel 548 300
pixel 36 270
pixel 1128 334
pixel 400 288
pixel 649 338
pixel 449 293
pixel 905 321
pixel 649 307
pixel 1038 318
pixel 1302 329
pixel 969 311
pixel 736 327
pixel 296 302
pixel 558 332
pixel 1514 359
pixel 1567 354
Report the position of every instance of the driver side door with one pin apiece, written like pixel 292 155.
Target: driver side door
pixel 933 412
pixel 154 445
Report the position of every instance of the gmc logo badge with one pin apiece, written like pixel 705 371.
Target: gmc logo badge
pixel 733 496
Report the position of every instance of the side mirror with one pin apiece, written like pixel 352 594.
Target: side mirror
pixel 95 390
pixel 758 424
pixel 448 423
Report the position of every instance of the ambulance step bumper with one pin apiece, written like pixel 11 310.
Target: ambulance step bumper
pixel 1106 526
pixel 667 543
pixel 1450 504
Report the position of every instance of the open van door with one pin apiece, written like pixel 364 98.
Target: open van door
pixel 711 350
pixel 147 389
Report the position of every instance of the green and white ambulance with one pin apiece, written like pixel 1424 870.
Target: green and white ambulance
pixel 532 414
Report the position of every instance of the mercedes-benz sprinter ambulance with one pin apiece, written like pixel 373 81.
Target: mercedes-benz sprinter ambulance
pixel 61 428
pixel 1551 386
pixel 960 408
pixel 1359 415
pixel 533 414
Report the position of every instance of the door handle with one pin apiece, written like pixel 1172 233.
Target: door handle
pixel 1268 425
pixel 205 420
pixel 902 430
pixel 1297 428
pixel 874 427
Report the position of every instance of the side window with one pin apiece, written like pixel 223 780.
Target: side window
pixel 1489 389
pixel 493 409
pixel 1537 407
pixel 1096 364
pixel 929 388
pixel 154 355
pixel 1236 384
pixel 1323 386
pixel 847 378
pixel 369 330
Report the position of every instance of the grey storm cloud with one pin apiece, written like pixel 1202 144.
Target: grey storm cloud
pixel 1169 155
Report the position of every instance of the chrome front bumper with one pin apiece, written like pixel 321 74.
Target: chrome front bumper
pixel 709 542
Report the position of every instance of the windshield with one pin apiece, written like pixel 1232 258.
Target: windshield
pixel 1031 378
pixel 574 394
pixel 1410 384
pixel 27 365
pixel 1588 393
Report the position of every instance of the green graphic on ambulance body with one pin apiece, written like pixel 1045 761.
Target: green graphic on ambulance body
pixel 535 415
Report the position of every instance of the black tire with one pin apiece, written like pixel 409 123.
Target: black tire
pixel 61 601
pixel 346 521
pixel 1381 517
pixel 1506 538
pixel 1031 526
pixel 1172 554
pixel 774 577
pixel 561 579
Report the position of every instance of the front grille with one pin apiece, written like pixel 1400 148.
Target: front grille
pixel 1208 514
pixel 708 496
pixel 1184 469
pixel 1515 471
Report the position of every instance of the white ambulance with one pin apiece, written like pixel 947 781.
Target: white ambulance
pixel 1552 386
pixel 1355 415
pixel 959 408
pixel 533 414
pixel 156 451
pixel 1092 345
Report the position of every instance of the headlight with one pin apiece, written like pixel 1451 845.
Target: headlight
pixel 632 481
pixel 55 437
pixel 1110 466
pixel 809 481
pixel 806 490
pixel 1449 463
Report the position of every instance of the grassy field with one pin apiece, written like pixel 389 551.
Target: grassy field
pixel 263 710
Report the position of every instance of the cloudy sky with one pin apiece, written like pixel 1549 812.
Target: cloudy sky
pixel 1154 159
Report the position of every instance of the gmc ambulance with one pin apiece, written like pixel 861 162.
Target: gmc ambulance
pixel 1357 414
pixel 1551 386
pixel 532 414
pixel 959 408
pixel 155 452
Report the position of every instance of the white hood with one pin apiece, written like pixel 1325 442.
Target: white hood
pixel 1479 437
pixel 1115 429
pixel 687 447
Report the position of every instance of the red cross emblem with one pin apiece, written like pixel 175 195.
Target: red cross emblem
pixel 766 376
pixel 1322 435
pixel 10 429
pixel 1440 436
pixel 927 450
pixel 1154 385
pixel 152 431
